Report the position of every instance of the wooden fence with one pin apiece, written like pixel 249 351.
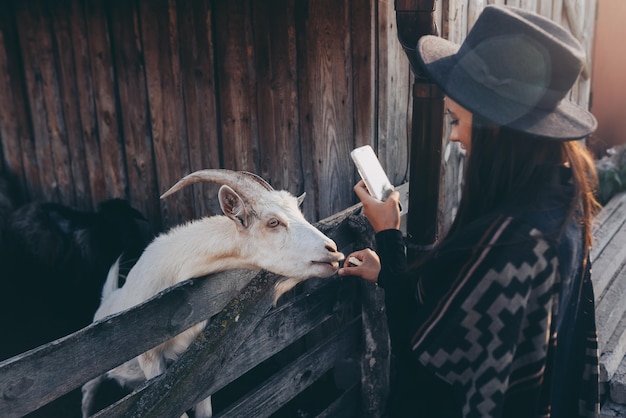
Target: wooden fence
pixel 313 339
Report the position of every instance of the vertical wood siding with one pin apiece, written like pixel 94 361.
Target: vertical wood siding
pixel 121 98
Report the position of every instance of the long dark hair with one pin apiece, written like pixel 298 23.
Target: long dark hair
pixel 503 162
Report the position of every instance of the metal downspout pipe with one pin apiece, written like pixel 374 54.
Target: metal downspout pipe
pixel 415 18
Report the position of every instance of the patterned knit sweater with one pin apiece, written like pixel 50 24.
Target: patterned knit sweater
pixel 498 321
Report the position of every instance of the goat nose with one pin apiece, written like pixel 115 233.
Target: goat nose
pixel 331 247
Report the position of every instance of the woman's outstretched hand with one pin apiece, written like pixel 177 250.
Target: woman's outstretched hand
pixel 381 215
pixel 369 266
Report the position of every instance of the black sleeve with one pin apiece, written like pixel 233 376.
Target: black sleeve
pixel 399 288
pixel 390 247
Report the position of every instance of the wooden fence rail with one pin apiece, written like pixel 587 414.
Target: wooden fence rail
pixel 45 373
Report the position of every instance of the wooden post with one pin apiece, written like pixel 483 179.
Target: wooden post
pixel 415 18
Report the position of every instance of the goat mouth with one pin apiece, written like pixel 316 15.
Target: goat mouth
pixel 332 264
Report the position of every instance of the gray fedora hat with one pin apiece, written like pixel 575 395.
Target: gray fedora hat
pixel 515 69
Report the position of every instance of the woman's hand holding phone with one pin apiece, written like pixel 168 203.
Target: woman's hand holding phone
pixel 381 215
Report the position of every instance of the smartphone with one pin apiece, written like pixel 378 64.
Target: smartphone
pixel 372 172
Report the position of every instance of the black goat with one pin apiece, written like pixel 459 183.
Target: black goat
pixel 55 260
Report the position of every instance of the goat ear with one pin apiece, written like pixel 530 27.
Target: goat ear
pixel 233 206
pixel 301 198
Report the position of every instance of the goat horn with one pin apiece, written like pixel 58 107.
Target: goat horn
pixel 247 183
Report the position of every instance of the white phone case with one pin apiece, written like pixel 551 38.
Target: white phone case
pixel 372 172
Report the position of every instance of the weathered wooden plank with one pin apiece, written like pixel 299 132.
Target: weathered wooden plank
pixel 608 259
pixel 457 20
pixel 608 222
pixel 159 30
pixel 394 98
pixel 334 300
pixel 109 145
pixel 572 18
pixel 33 379
pixel 528 5
pixel 474 9
pixel 607 266
pixel 79 107
pixel 235 71
pixel 43 97
pixel 375 356
pixel 279 389
pixel 15 136
pixel 326 106
pixel 612 348
pixel 609 280
pixel 544 8
pixel 610 309
pixel 310 206
pixel 575 16
pixel 338 117
pixel 364 66
pixel 328 306
pixel 134 111
pixel 439 15
pixel 63 15
pixel 617 385
pixel 589 9
pixel 277 93
pixel 557 11
pixel 198 77
pixel 609 262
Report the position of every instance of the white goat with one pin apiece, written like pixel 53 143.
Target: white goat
pixel 262 229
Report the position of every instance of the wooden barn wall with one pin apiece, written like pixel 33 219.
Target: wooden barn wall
pixel 121 98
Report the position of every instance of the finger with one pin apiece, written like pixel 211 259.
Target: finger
pixel 361 190
pixel 348 270
pixel 395 196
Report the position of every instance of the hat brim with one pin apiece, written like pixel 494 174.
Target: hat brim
pixel 567 121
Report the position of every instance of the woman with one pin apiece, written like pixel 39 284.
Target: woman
pixel 498 319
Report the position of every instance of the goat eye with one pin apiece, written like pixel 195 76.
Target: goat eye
pixel 273 223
